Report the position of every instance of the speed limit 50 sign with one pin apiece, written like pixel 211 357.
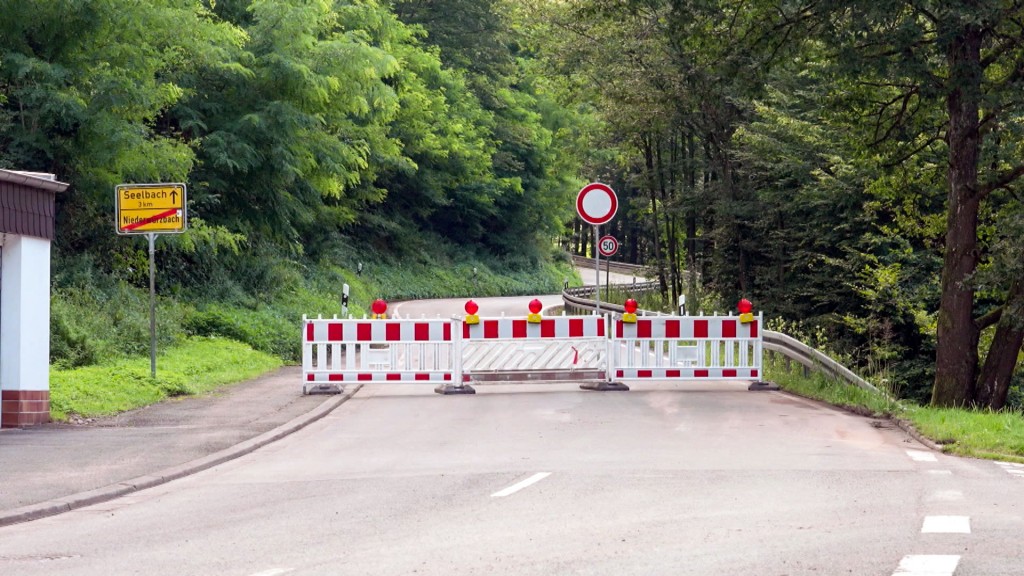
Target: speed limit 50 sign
pixel 608 245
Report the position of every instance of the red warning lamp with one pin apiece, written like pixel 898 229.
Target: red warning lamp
pixel 746 311
pixel 380 309
pixel 471 310
pixel 535 307
pixel 630 306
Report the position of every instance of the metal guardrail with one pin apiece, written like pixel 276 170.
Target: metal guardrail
pixel 776 342
pixel 586 262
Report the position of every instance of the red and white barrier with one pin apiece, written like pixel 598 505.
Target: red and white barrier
pixel 398 351
pixel 687 348
pixel 446 353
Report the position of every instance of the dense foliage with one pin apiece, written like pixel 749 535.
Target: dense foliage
pixel 315 136
pixel 852 165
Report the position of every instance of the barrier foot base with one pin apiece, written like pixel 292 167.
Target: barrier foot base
pixel 323 389
pixel 449 389
pixel 759 385
pixel 605 386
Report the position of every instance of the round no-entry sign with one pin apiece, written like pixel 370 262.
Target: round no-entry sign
pixel 597 203
pixel 608 245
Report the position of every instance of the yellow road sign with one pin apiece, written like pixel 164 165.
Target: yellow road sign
pixel 151 208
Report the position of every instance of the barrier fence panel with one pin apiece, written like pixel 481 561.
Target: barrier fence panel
pixel 399 351
pixel 558 347
pixel 687 348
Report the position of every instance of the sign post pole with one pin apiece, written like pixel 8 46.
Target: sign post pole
pixel 596 204
pixel 152 304
pixel 597 267
pixel 151 209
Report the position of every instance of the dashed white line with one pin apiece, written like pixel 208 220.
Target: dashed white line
pixel 946 496
pixel 1012 468
pixel 921 456
pixel 520 485
pixel 946 525
pixel 934 565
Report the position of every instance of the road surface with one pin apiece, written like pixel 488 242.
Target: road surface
pixel 531 479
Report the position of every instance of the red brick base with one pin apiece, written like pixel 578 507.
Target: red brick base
pixel 21 408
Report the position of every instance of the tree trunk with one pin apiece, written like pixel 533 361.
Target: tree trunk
pixel 652 193
pixel 956 353
pixel 994 381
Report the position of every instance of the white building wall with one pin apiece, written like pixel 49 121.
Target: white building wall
pixel 25 313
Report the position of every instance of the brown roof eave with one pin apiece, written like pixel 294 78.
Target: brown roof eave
pixel 32 181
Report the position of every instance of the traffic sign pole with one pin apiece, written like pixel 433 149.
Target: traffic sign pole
pixel 152 304
pixel 597 268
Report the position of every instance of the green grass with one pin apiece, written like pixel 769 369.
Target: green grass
pixel 195 366
pixel 972 433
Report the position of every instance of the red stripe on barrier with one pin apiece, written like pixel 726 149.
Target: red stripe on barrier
pixel 309 333
pixel 728 373
pixel 643 328
pixel 334 332
pixel 753 373
pixel 335 377
pixel 600 327
pixel 422 332
pixel 618 329
pixel 519 328
pixel 423 376
pixel 700 328
pixel 448 377
pixel 575 327
pixel 465 331
pixel 700 373
pixel 547 328
pixel 672 329
pixel 447 332
pixel 364 377
pixel 310 377
pixel 394 376
pixel 393 332
pixel 644 374
pixel 728 328
pixel 490 328
pixel 364 332
pixel 619 373
pixel 673 374
pixel 753 329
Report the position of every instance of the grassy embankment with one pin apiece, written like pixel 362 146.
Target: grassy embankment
pixel 232 331
pixel 973 433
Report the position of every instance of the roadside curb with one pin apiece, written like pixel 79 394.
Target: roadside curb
pixel 105 493
pixel 909 428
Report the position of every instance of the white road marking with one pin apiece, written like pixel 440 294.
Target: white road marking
pixel 934 565
pixel 946 496
pixel 520 485
pixel 946 525
pixel 921 456
pixel 274 572
pixel 1012 468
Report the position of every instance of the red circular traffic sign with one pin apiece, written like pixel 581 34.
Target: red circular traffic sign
pixel 608 245
pixel 596 203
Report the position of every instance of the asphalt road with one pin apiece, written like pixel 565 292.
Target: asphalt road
pixel 529 479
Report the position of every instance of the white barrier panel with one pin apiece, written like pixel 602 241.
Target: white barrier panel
pixel 402 351
pixel 556 348
pixel 687 348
